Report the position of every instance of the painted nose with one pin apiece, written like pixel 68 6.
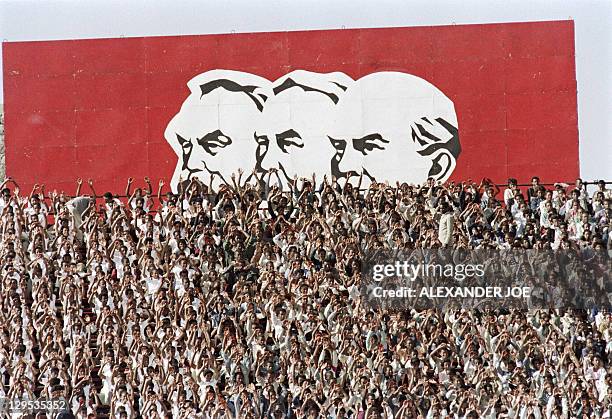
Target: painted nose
pixel 352 160
pixel 273 156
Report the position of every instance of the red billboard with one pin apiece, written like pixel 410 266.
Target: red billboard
pixel 103 108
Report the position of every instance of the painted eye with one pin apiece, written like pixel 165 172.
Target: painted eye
pixel 261 139
pixel 338 144
pixel 214 141
pixel 369 143
pixel 185 144
pixel 289 138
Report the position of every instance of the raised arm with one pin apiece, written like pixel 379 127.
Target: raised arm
pixel 149 187
pixel 159 190
pixel 129 186
pixel 93 191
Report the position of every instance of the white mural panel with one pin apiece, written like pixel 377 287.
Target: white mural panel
pixel 390 126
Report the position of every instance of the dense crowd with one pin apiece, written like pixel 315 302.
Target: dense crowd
pixel 242 301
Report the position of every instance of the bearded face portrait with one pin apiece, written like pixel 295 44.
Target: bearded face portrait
pixel 292 132
pixel 213 131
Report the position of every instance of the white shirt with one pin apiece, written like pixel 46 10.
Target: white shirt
pixel 445 230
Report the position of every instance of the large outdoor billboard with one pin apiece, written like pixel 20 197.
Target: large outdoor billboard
pixel 399 104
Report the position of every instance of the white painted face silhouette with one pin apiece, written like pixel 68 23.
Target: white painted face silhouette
pixel 214 128
pixel 393 126
pixel 292 133
pixel 396 127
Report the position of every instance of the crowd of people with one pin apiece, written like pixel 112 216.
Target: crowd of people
pixel 242 301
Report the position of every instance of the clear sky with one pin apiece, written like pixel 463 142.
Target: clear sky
pixel 22 20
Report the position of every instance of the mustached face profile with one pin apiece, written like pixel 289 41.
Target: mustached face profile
pixel 213 131
pixel 395 127
pixel 292 132
pixel 391 126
